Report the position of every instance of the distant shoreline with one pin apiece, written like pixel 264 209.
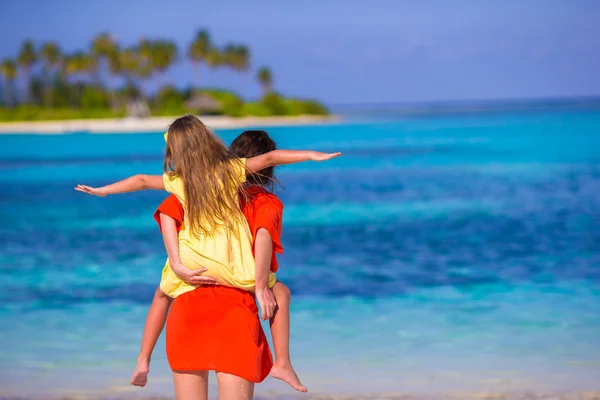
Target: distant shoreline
pixel 154 124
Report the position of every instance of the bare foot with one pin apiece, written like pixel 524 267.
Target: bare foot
pixel 140 374
pixel 287 374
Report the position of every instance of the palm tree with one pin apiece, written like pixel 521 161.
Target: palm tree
pixel 242 58
pixel 242 61
pixel 78 66
pixel 229 55
pixel 236 57
pixel 103 49
pixel 199 50
pixel 114 63
pixel 103 45
pixel 26 59
pixel 164 55
pixel 265 79
pixel 8 69
pixel 50 54
pixel 129 64
pixel 146 61
pixel 214 58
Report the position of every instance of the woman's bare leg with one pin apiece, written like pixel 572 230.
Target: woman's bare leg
pixel 191 385
pixel 280 331
pixel 155 322
pixel 233 387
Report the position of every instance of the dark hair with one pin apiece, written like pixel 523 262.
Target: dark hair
pixel 251 144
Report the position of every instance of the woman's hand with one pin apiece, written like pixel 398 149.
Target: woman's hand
pixel 100 192
pixel 193 277
pixel 267 302
pixel 318 156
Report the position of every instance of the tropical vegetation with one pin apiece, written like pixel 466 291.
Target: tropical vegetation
pixel 42 82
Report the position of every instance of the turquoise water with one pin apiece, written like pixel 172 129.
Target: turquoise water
pixel 455 252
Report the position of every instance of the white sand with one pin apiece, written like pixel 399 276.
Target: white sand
pixel 154 124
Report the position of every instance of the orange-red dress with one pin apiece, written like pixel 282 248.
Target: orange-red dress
pixel 216 328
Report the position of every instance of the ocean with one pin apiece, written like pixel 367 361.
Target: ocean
pixel 443 252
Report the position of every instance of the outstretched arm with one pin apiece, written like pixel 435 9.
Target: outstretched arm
pixel 132 184
pixel 281 157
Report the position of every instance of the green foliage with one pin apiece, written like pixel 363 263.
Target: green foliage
pixel 71 85
pixel 36 113
pixel 128 92
pixel 236 56
pixel 256 109
pixel 200 46
pixel 220 95
pixel 164 53
pixel 78 63
pixel 294 107
pixel 103 45
pixel 8 69
pixel 169 98
pixel 94 98
pixel 214 58
pixel 275 104
pixel 231 103
pixel 63 94
pixel 312 107
pixel 50 54
pixel 27 55
pixel 36 86
pixel 233 106
pixel 265 79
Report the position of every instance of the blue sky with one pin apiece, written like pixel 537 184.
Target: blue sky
pixel 352 51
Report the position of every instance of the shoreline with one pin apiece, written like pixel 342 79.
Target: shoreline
pixel 155 124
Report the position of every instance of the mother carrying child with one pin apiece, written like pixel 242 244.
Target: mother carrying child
pixel 211 327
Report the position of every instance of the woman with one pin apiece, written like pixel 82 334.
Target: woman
pixel 212 327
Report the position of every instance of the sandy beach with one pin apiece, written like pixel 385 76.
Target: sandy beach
pixel 592 395
pixel 584 395
pixel 132 125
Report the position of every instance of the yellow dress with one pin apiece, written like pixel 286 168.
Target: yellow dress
pixel 227 256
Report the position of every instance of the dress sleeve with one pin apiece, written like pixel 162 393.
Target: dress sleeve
pixel 174 185
pixel 269 216
pixel 172 207
pixel 241 171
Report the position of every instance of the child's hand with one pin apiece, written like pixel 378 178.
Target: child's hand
pixel 90 190
pixel 318 156
pixel 194 277
pixel 267 302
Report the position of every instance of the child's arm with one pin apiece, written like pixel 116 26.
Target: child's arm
pixel 169 232
pixel 263 251
pixel 132 184
pixel 281 157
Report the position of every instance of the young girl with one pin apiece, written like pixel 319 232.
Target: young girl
pixel 214 239
pixel 263 211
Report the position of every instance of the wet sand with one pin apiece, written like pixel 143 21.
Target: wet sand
pixel 583 395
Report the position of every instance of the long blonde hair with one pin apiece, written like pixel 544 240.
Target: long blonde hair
pixel 209 174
